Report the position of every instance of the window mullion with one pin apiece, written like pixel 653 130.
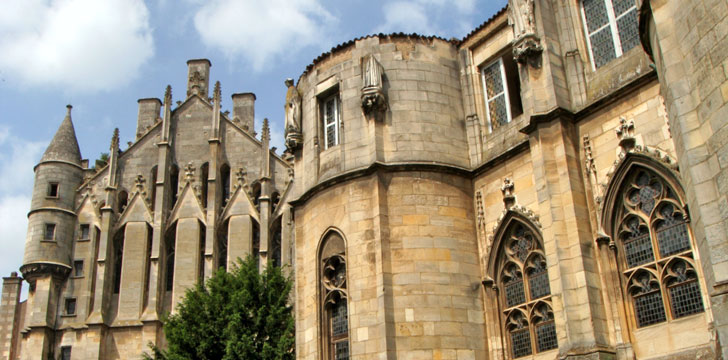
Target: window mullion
pixel 505 89
pixel 487 101
pixel 615 31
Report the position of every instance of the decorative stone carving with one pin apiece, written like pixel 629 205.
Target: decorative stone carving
pixel 526 44
pixel 479 206
pixel 32 271
pixel 373 102
pixel 625 133
pixel 240 181
pixel 507 189
pixel 293 135
pixel 197 85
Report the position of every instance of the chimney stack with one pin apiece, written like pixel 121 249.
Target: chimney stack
pixel 148 115
pixel 198 77
pixel 244 111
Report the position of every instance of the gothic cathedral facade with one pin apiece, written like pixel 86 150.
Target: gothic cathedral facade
pixel 552 186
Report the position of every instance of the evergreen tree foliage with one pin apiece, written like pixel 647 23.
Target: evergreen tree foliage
pixel 236 315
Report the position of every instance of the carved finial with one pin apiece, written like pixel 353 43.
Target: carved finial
pixel 590 165
pixel 625 133
pixel 479 206
pixel 68 109
pixel 115 140
pixel 507 189
pixel 240 175
pixel 139 183
pixel 168 95
pixel 189 172
pixel 265 131
pixel 216 93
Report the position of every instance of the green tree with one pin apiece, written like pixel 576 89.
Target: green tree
pixel 239 314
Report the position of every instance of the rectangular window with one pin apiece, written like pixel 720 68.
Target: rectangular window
pixel 53 190
pixel 78 268
pixel 502 91
pixel 50 232
pixel 611 28
pixel 66 353
pixel 84 234
pixel 70 306
pixel 330 119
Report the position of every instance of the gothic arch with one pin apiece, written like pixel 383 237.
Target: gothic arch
pixel 516 214
pixel 332 277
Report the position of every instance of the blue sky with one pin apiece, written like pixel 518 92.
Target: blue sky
pixel 102 56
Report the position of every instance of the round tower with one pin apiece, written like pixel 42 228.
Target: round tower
pixel 52 217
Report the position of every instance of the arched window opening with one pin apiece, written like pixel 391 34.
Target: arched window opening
pixel 256 243
pixel 225 183
pixel 153 186
pixel 334 296
pixel 204 172
pixel 118 258
pixel 655 249
pixel 525 289
pixel 173 185
pixel 222 246
pixel 169 243
pixel 256 196
pixel 275 244
pixel 201 258
pixel 122 201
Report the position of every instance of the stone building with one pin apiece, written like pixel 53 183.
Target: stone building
pixel 553 185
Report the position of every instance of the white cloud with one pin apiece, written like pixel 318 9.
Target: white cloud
pixel 17 157
pixel 421 16
pixel 82 45
pixel 261 30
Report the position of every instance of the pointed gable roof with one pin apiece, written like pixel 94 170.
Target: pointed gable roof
pixel 64 146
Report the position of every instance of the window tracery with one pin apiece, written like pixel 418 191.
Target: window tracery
pixel 335 319
pixel 526 292
pixel 657 259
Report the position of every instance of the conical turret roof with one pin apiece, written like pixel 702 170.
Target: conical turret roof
pixel 64 146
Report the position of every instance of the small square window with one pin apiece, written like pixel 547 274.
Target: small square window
pixel 611 27
pixel 502 91
pixel 65 353
pixel 70 306
pixel 84 234
pixel 53 190
pixel 50 232
pixel 331 120
pixel 78 268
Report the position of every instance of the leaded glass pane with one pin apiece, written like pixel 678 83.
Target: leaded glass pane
pixel 602 46
pixel 638 246
pixel 330 135
pixel 546 337
pixel 627 26
pixel 339 319
pixel 595 12
pixel 685 299
pixel 341 349
pixel 520 247
pixel 672 237
pixel 497 111
pixel 622 6
pixel 649 308
pixel 539 284
pixel 521 343
pixel 647 195
pixel 514 293
pixel 493 79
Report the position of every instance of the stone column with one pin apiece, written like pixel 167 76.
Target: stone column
pixel 687 41
pixel 186 258
pixel 133 271
pixel 568 242
pixel 10 315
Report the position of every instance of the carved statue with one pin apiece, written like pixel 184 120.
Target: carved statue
pixel 526 44
pixel 293 116
pixel 521 17
pixel 372 96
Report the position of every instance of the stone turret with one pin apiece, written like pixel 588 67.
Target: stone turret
pixel 51 229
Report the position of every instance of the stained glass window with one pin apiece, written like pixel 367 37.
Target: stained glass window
pixel 611 27
pixel 497 103
pixel 330 114
pixel 546 336
pixel 521 343
pixel 656 244
pixel 334 292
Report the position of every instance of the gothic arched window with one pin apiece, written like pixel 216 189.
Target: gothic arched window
pixel 525 292
pixel 334 296
pixel 656 255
